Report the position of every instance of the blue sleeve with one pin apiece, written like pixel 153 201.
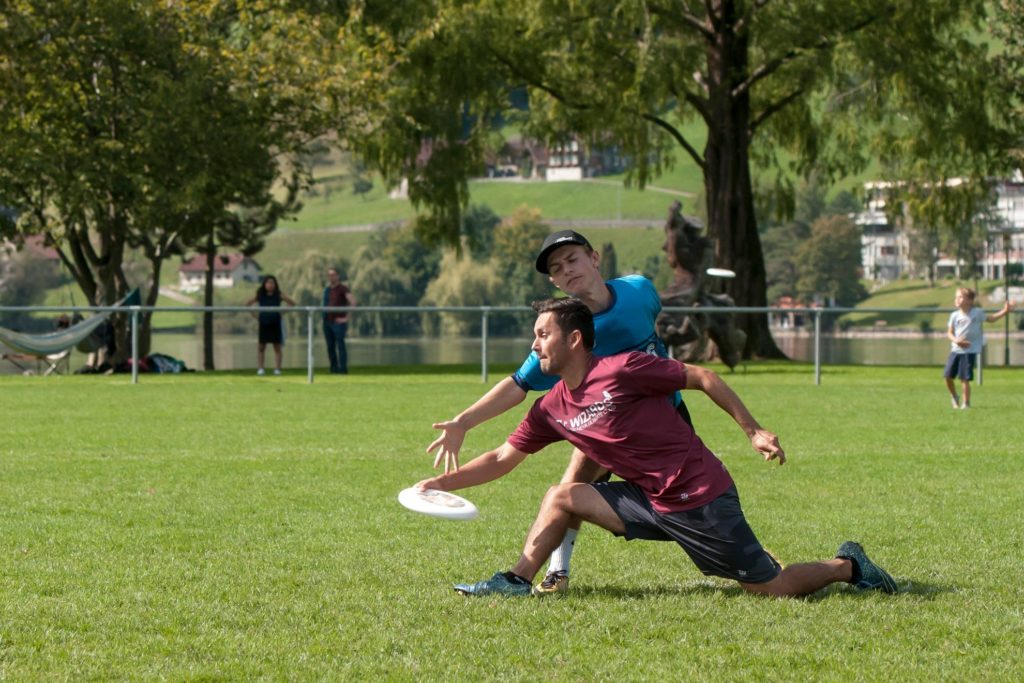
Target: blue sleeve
pixel 530 378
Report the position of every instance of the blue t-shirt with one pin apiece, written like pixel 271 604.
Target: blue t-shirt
pixel 626 325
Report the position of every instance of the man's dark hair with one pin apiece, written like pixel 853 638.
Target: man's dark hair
pixel 570 314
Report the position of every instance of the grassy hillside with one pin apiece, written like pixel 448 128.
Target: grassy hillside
pixel 918 294
pixel 601 198
pixel 331 202
pixel 336 222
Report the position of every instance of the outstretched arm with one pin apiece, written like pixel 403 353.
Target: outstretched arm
pixel 1007 307
pixel 480 470
pixel 503 396
pixel 764 442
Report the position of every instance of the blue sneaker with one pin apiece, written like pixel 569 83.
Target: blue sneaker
pixel 867 575
pixel 496 585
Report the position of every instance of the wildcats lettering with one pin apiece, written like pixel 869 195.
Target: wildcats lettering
pixel 590 414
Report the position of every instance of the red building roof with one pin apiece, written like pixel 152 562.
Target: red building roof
pixel 224 263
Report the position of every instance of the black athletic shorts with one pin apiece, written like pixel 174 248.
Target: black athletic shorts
pixel 271 333
pixel 716 536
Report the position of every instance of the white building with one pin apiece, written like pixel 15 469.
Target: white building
pixel 228 271
pixel 885 247
pixel 1008 242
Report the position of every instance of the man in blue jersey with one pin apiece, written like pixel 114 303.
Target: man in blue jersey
pixel 624 313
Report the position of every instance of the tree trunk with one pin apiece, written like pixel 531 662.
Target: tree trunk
pixel 211 256
pixel 146 320
pixel 730 196
pixel 111 283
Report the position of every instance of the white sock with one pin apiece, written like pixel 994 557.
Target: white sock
pixel 561 555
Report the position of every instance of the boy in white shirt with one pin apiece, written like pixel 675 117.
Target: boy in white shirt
pixel 964 330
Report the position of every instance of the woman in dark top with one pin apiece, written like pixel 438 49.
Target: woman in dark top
pixel 271 325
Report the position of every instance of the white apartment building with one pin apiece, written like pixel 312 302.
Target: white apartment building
pixel 885 247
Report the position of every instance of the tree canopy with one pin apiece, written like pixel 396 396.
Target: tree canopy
pixel 832 85
pixel 142 125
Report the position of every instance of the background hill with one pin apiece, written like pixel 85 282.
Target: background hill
pixel 336 222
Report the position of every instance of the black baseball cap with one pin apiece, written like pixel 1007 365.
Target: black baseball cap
pixel 556 240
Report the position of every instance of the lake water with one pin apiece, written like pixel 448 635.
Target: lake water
pixel 232 352
pixel 931 350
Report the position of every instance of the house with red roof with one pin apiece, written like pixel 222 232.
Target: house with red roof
pixel 228 271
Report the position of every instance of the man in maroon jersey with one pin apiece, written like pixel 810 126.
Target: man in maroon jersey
pixel 615 409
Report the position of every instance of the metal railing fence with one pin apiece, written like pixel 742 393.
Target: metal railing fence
pixel 485 312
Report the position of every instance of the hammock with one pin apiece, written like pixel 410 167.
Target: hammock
pixel 53 342
pixel 61 340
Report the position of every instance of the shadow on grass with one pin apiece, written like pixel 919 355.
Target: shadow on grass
pixel 919 589
pixel 618 592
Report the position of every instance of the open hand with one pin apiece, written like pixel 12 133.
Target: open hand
pixel 448 445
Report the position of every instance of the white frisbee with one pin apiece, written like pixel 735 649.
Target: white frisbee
pixel 437 503
pixel 720 272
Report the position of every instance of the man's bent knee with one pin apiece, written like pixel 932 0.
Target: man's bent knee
pixel 560 495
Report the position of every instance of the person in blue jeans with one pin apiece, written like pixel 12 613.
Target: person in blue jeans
pixel 336 323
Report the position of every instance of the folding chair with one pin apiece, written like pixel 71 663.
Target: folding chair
pixel 49 364
pixel 57 363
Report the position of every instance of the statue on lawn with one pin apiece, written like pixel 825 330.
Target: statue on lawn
pixel 687 335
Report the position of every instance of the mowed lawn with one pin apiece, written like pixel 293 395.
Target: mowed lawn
pixel 229 527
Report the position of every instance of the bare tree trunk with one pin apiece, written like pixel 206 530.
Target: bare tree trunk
pixel 211 256
pixel 146 320
pixel 730 196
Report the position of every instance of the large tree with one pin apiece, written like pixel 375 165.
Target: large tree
pixel 82 85
pixel 830 84
pixel 143 125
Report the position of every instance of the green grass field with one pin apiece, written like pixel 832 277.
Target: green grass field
pixel 227 527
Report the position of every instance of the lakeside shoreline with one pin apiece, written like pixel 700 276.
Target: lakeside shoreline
pixel 884 333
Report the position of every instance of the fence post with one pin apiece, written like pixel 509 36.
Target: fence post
pixel 483 345
pixel 981 361
pixel 817 347
pixel 135 344
pixel 309 345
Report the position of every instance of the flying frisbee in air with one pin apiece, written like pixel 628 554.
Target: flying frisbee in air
pixel 437 503
pixel 720 272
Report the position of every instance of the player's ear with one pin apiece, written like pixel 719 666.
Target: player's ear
pixel 575 338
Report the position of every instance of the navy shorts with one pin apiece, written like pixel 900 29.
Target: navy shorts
pixel 960 365
pixel 716 536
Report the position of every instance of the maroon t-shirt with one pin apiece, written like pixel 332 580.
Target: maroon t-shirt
pixel 621 418
pixel 337 296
